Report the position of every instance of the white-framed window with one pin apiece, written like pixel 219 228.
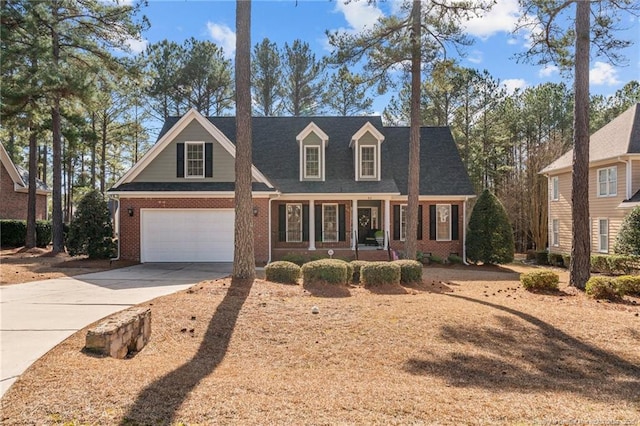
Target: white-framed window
pixel 443 222
pixel 555 191
pixel 608 182
pixel 311 161
pixel 367 161
pixel 329 223
pixel 555 232
pixel 603 235
pixel 403 222
pixel 194 159
pixel 294 223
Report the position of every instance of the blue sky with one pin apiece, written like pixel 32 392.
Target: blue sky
pixel 284 21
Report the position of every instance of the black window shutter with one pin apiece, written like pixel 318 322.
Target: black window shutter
pixel 341 223
pixel 454 222
pixel 305 222
pixel 419 221
pixel 432 222
pixel 208 160
pixel 282 222
pixel 180 160
pixel 396 222
pixel 318 224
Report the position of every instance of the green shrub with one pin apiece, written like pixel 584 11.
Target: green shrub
pixel 332 271
pixel 622 264
pixel 375 274
pixel 566 260
pixel 410 270
pixel 282 272
pixel 90 232
pixel 603 288
pixel 599 263
pixel 43 233
pixel 435 259
pixel 628 284
pixel 540 280
pixel 297 258
pixel 357 266
pixel 542 258
pixel 555 259
pixel 628 239
pixel 455 259
pixel 490 236
pixel 12 232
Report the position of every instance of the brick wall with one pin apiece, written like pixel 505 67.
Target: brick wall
pixel 13 205
pixel 130 225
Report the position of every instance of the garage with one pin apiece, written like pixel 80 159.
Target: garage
pixel 186 235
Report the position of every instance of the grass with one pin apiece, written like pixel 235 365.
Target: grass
pixel 468 345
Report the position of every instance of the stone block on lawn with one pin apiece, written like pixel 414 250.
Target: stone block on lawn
pixel 122 333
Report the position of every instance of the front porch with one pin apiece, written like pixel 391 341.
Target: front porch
pixel 364 252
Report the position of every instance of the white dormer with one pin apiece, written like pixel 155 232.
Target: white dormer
pixel 312 142
pixel 366 144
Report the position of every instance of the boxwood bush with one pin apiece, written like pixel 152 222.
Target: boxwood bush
pixel 332 271
pixel 540 280
pixel 542 258
pixel 13 233
pixel 43 233
pixel 599 263
pixel 357 267
pixel 603 288
pixel 282 272
pixel 410 270
pixel 555 259
pixel 379 273
pixel 566 260
pixel 628 284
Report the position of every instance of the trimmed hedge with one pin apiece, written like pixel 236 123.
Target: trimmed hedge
pixel 542 258
pixel 603 288
pixel 555 259
pixel 332 271
pixel 13 233
pixel 566 260
pixel 282 272
pixel 379 273
pixel 614 264
pixel 540 280
pixel 455 259
pixel 410 270
pixel 357 267
pixel 628 284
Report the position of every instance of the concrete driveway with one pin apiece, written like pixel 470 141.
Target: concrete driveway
pixel 36 316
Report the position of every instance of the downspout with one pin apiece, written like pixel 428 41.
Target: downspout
pixel 270 223
pixel 464 231
pixel 117 223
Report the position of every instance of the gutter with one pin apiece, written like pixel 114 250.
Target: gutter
pixel 117 223
pixel 464 233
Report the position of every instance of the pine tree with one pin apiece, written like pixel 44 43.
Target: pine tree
pixel 303 80
pixel 266 78
pixel 90 232
pixel 490 236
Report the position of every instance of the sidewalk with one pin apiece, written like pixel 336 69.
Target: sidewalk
pixel 36 316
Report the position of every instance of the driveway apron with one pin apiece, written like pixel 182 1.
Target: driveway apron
pixel 36 316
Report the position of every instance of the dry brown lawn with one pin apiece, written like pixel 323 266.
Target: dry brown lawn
pixel 466 346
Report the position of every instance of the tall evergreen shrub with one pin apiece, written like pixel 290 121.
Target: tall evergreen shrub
pixel 628 240
pixel 490 236
pixel 91 232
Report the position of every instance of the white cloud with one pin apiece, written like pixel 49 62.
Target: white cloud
pixel 137 45
pixel 359 14
pixel 603 73
pixel 224 37
pixel 512 84
pixel 475 57
pixel 548 70
pixel 501 18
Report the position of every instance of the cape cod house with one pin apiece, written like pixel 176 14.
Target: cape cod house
pixel 319 183
pixel 614 184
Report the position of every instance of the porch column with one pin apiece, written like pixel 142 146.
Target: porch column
pixel 312 225
pixel 387 222
pixel 354 224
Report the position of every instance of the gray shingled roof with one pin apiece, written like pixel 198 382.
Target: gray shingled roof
pixel 634 199
pixel 619 137
pixel 24 174
pixel 276 155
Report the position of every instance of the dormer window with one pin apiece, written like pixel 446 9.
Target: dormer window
pixel 194 164
pixel 368 162
pixel 312 162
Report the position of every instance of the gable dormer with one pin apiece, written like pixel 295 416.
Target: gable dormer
pixel 312 142
pixel 366 144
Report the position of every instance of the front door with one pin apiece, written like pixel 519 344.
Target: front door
pixel 364 223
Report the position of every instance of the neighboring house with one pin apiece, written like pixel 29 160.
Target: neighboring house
pixel 319 183
pixel 614 184
pixel 14 191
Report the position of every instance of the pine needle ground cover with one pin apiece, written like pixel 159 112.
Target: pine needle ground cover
pixel 467 345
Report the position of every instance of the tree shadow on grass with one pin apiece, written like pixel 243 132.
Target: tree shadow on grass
pixel 158 403
pixel 526 354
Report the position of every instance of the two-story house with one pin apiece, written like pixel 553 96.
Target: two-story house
pixel 319 183
pixel 614 184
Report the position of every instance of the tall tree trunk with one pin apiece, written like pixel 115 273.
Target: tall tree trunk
pixel 94 141
pixel 580 251
pixel 411 242
pixel 31 198
pixel 103 160
pixel 56 225
pixel 244 259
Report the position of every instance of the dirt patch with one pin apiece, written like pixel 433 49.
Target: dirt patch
pixel 20 265
pixel 467 345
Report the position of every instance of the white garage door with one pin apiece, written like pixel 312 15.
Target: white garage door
pixel 193 235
